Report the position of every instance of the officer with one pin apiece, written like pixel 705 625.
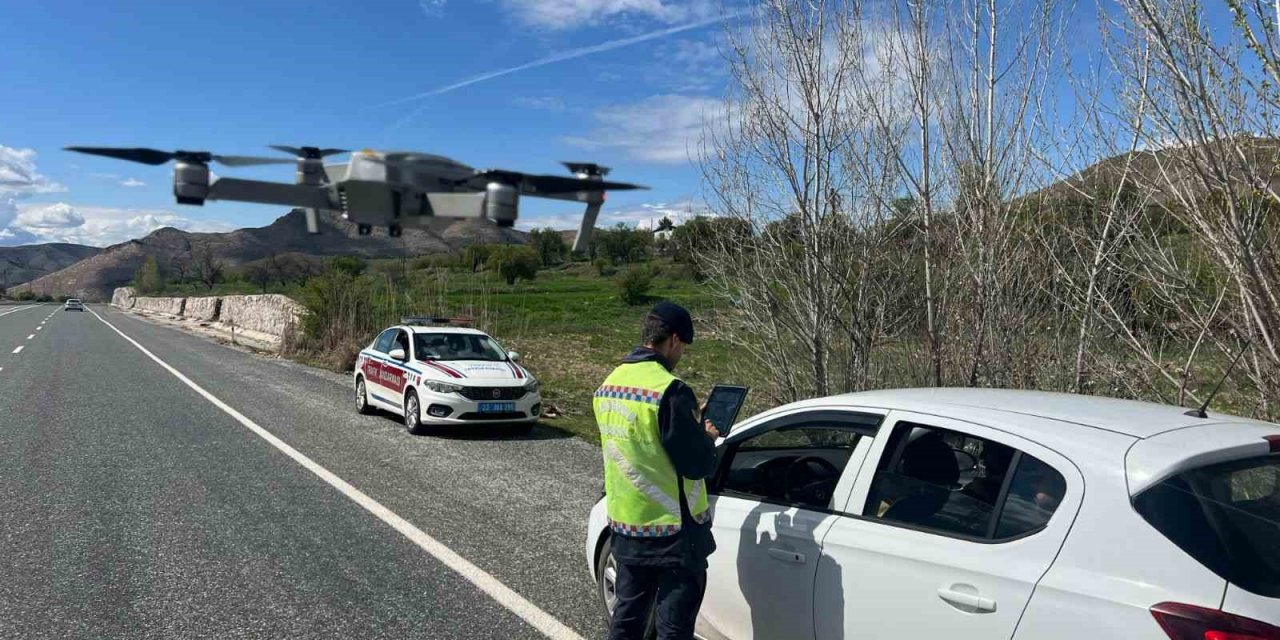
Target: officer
pixel 656 457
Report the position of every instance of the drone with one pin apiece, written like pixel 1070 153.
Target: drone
pixel 391 189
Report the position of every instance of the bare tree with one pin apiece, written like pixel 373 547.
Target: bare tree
pixel 208 267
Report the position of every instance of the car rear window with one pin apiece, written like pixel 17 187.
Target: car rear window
pixel 1226 516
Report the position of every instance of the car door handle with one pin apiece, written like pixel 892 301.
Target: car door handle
pixel 967 600
pixel 786 555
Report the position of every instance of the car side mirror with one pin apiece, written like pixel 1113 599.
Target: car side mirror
pixel 398 354
pixel 514 356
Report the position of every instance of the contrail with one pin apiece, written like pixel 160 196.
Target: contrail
pixel 566 55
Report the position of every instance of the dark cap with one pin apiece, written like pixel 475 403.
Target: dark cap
pixel 676 318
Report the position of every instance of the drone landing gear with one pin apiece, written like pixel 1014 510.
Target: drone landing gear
pixel 364 229
pixel 394 230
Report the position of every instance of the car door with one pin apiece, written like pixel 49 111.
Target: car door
pixel 374 365
pixel 772 499
pixel 945 535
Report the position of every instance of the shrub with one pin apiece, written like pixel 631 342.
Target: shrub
pixel 633 286
pixel 550 246
pixel 604 267
pixel 147 279
pixel 476 256
pixel 514 263
pixel 349 265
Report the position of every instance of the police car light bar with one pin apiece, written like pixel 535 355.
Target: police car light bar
pixel 428 321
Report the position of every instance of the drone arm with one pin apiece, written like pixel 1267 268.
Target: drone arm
pixel 582 242
pixel 290 195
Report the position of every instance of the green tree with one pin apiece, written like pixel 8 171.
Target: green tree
pixel 633 286
pixel 622 244
pixel 550 246
pixel 147 279
pixel 514 263
pixel 350 265
pixel 476 256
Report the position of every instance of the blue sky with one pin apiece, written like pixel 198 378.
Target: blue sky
pixel 235 75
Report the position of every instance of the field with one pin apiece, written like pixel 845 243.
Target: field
pixel 571 328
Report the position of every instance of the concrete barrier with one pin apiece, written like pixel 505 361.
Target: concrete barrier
pixel 123 297
pixel 171 306
pixel 271 313
pixel 203 309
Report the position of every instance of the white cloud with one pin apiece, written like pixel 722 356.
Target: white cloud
pixel 643 216
pixel 541 103
pixel 663 128
pixel 571 14
pixel 100 226
pixel 432 8
pixel 18 175
pixel 132 182
pixel 56 216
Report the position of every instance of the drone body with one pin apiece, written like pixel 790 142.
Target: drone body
pixel 381 189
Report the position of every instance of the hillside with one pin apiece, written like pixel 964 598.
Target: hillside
pixel 28 262
pixel 95 277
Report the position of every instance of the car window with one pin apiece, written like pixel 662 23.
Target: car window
pixel 400 341
pixel 798 465
pixel 1034 494
pixel 1226 516
pixel 956 483
pixel 385 340
pixel 456 346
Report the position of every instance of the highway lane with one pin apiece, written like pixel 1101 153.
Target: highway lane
pixel 130 506
pixel 514 506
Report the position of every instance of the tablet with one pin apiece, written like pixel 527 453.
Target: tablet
pixel 723 405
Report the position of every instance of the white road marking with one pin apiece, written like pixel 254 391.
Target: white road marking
pixel 18 350
pixel 16 310
pixel 39 327
pixel 501 593
pixel 32 336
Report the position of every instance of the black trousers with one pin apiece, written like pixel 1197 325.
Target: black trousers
pixel 674 594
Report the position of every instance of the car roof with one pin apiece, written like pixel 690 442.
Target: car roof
pixel 996 407
pixel 442 329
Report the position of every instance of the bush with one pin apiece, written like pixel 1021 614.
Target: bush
pixel 349 265
pixel 514 263
pixel 147 279
pixel 633 286
pixel 622 244
pixel 550 246
pixel 604 267
pixel 476 256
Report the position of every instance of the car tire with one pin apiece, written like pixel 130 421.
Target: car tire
pixel 606 576
pixel 413 414
pixel 362 398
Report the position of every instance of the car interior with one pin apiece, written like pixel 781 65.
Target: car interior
pixel 792 465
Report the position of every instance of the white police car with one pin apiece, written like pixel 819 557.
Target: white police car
pixel 433 372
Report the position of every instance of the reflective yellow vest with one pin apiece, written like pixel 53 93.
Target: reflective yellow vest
pixel 641 487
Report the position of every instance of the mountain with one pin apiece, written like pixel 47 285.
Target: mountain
pixel 28 262
pixel 175 250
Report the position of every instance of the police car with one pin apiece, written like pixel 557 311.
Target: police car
pixel 436 371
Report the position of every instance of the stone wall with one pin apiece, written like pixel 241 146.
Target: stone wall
pixel 123 297
pixel 171 306
pixel 270 313
pixel 203 309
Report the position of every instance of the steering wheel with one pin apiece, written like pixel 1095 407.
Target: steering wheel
pixel 816 490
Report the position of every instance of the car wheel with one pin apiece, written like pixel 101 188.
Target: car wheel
pixel 362 398
pixel 412 413
pixel 607 588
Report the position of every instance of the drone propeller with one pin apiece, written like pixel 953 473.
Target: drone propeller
pixel 157 157
pixel 586 168
pixel 310 153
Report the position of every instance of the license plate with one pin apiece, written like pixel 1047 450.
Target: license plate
pixel 497 407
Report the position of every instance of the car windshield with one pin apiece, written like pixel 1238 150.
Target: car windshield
pixel 456 346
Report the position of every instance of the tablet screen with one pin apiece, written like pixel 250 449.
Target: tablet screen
pixel 723 405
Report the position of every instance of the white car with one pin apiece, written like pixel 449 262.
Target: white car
pixel 977 514
pixel 73 305
pixel 442 375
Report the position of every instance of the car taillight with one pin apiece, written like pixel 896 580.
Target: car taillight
pixel 1189 622
pixel 1274 441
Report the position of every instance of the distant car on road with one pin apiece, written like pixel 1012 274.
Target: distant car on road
pixel 73 305
pixel 432 372
pixel 971 513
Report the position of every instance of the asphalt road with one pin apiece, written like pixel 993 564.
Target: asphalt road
pixel 132 506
